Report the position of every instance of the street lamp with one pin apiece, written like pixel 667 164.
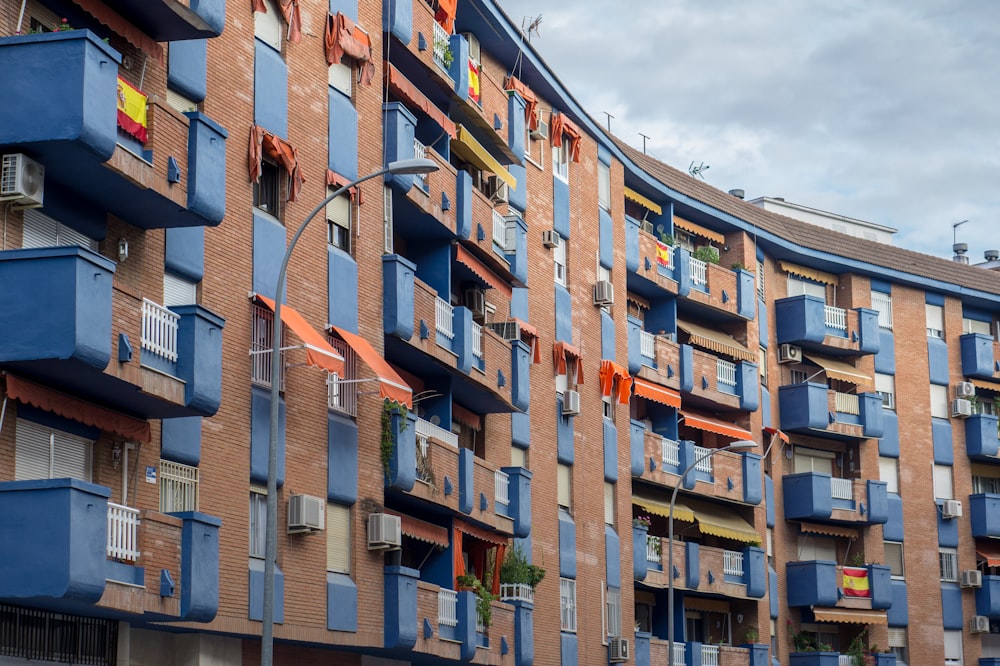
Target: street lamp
pixel 397 168
pixel 739 445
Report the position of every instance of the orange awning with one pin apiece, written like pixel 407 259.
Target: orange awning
pixel 989 552
pixel 480 533
pixel 445 15
pixel 112 19
pixel 422 530
pixel 774 431
pixel 609 371
pixel 714 425
pixel 470 261
pixel 829 530
pixel 530 101
pixel 87 413
pixel 560 125
pixel 985 385
pixel 342 37
pixel 530 336
pixel 391 385
pixel 334 179
pixel 401 86
pixel 263 143
pixel 661 394
pixel 850 616
pixel 318 351
pixel 562 353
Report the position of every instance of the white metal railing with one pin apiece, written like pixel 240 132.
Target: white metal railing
pixel 653 549
pixel 123 532
pixel 835 317
pixel 424 472
pixel 703 465
pixel 671 452
pixel 647 344
pixel 178 487
pixel 709 655
pixel 516 592
pixel 262 332
pixel 845 660
pixel 420 152
pixel 444 317
pixel 441 45
pixel 883 303
pixel 477 340
pixel 501 486
pixel 846 403
pixel 680 652
pixel 842 489
pixel 699 277
pixel 725 373
pixel 732 563
pixel 428 429
pixel 480 626
pixel 447 607
pixel 499 229
pixel 159 330
pixel 342 396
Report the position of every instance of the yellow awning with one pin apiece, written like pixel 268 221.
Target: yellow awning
pixel 850 616
pixel 721 522
pixel 659 508
pixel 811 273
pixel 698 230
pixel 716 341
pixel 829 530
pixel 839 370
pixel 470 150
pixel 632 195
pixel 985 385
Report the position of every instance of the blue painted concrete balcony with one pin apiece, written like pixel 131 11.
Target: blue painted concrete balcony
pixel 62 112
pixel 723 289
pixel 72 322
pixel 648 275
pixel 448 626
pixel 819 497
pixel 736 573
pixel 814 409
pixel 173 20
pixel 988 598
pixel 820 583
pixel 984 514
pixel 807 321
pixel 980 356
pixel 718 383
pixel 981 439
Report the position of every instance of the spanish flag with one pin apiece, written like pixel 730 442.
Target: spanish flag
pixel 662 254
pixel 474 81
pixel 131 110
pixel 856 582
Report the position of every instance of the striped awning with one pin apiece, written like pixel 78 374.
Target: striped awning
pixel 845 372
pixel 850 616
pixel 482 271
pixel 709 424
pixel 721 522
pixel 989 553
pixel 985 385
pixel 652 391
pixel 648 204
pixel 480 533
pixel 698 230
pixel 829 530
pixel 774 431
pixel 717 341
pixel 422 530
pixel 470 150
pixel 662 508
pixel 809 273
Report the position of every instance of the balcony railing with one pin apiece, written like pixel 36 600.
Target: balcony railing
pixel 499 229
pixel 516 592
pixel 178 487
pixel 842 489
pixel 444 318
pixel 424 471
pixel 647 344
pixel 501 486
pixel 699 270
pixel 883 303
pixel 725 374
pixel 704 465
pixel 846 403
pixel 342 396
pixel 671 452
pixel 260 349
pixel 477 340
pixel 420 152
pixel 653 549
pixel 447 607
pixel 680 652
pixel 428 429
pixel 441 45
pixel 835 317
pixel 159 330
pixel 480 625
pixel 732 563
pixel 123 530
pixel 845 660
pixel 709 655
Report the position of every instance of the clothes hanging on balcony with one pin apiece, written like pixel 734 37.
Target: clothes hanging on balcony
pixel 342 37
pixel 264 143
pixel 561 125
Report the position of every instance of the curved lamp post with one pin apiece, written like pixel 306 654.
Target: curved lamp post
pixel 398 168
pixel 739 445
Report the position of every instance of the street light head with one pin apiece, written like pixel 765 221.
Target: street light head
pixel 414 166
pixel 741 445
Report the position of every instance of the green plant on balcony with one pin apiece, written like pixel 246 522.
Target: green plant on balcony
pixel 666 238
pixel 642 521
pixel 858 559
pixel 751 634
pixel 517 570
pixel 706 253
pixel 484 598
pixel 738 267
pixel 856 649
pixel 806 641
pixel 388 443
pixel 443 47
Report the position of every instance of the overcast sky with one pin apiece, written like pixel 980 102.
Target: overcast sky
pixel 881 110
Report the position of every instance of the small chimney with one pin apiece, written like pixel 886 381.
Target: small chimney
pixel 960 249
pixel 991 255
pixel 738 193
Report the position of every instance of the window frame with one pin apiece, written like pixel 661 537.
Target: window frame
pixel 612 611
pixel 943 482
pixel 564 486
pixel 890 476
pixel 339 233
pixel 335 512
pixel 896 546
pixel 567 605
pixel 268 187
pixel 268 28
pixel 604 186
pixel 948 564
pixel 169 477
pixel 939 401
pixel 257 523
pixel 888 396
pixel 560 160
pixel 934 315
pixel 559 261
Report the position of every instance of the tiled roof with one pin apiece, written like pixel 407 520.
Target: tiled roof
pixel 817 238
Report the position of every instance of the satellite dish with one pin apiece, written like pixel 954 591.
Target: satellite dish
pixel 659 228
pixel 435 420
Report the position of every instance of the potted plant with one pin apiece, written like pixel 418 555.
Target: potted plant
pixel 516 570
pixel 707 253
pixel 666 238
pixel 810 652
pixel 467 582
pixel 642 521
pixel 751 634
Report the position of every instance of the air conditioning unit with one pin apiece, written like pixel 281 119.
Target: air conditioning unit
pixel 961 408
pixel 571 403
pixel 508 330
pixel 979 624
pixel 496 189
pixel 550 239
pixel 384 532
pixel 475 300
pixel 789 354
pixel 604 293
pixel 541 130
pixel 22 180
pixel 965 390
pixel 474 49
pixel 618 650
pixel 306 514
pixel 646 226
pixel 951 509
pixel 972 578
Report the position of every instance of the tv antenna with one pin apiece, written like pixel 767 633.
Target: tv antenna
pixel 532 26
pixel 609 120
pixel 644 137
pixel 954 230
pixel 697 170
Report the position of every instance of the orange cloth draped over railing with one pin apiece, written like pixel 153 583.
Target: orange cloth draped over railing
pixel 530 101
pixel 531 333
pixel 334 179
pixel 290 12
pixel 562 125
pixel 403 87
pixel 562 353
pixel 611 370
pixel 445 14
pixel 263 143
pixel 343 37
pixel 133 35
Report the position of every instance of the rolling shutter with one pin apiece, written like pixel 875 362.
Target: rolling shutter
pixel 31 451
pixel 338 538
pixel 178 291
pixel 42 453
pixel 40 230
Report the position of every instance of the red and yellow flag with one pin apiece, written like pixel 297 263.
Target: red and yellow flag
pixel 662 254
pixel 131 110
pixel 474 81
pixel 856 582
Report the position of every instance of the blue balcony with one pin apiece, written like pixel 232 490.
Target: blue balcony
pixel 810 408
pixel 984 514
pixel 819 583
pixel 980 354
pixel 816 496
pixel 63 114
pixel 808 322
pixel 988 598
pixel 981 440
pixel 173 20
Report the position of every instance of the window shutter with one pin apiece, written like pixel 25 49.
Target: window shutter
pixel 897 637
pixel 31 451
pixel 71 456
pixel 894 557
pixel 609 503
pixel 338 538
pixel 40 230
pixel 178 291
pixel 563 486
pixel 338 211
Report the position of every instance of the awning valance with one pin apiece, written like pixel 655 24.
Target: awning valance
pixel 562 354
pixel 774 431
pixel 422 530
pixel 334 179
pixel 648 204
pixel 850 616
pixel 480 533
pixel 989 552
pixel 466 147
pixel 810 273
pixel 721 522
pixel 705 604
pixel 839 370
pixel 529 334
pixel 829 530
pixel 391 385
pixel 985 385
pixel 343 37
pixel 698 230
pixel 404 88
pixel 662 508
pixel 318 351
pixel 264 143
pixel 491 279
pixel 607 375
pixel 87 413
pixel 709 424
pixel 661 394
pixel 530 100
pixel 122 26
pixel 290 12
pixel 560 125
pixel 717 341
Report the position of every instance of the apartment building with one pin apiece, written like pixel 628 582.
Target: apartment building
pixel 521 355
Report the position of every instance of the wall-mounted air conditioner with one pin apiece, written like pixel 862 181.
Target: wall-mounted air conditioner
pixel 306 514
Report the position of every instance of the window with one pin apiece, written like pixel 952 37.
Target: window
pixel 258 522
pixel 935 321
pixel 894 558
pixel 178 487
pixel 179 102
pixel 883 303
pixel 559 259
pixel 813 460
pixel 609 503
pixel 387 244
pixel 984 404
pixel 798 286
pixel 613 612
pixel 948 558
pixel 534 148
pixel 939 401
pixel 976 326
pixel 338 538
pixel 985 484
pixel 762 365
pixel 769 542
pixel 760 280
pixel 953 648
pixel 338 218
pixel 888 471
pixel 567 604
pixel 267 191
pixel 813 547
pixel 45 453
pixel 942 482
pixel 342 391
pixel 885 386
pixel 897 643
pixel 178 291
pixel 560 160
pixel 40 230
pixel 518 457
pixel 608 406
pixel 267 26
pixel 564 486
pixel 341 76
pixel 603 185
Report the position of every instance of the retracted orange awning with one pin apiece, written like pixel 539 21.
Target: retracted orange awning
pixel 829 530
pixel 714 425
pixel 391 385
pixel 531 333
pixel 470 261
pixel 850 616
pixel 562 352
pixel 112 19
pixel 403 87
pixel 661 394
pixel 989 552
pixel 318 351
pixel 774 431
pixel 422 530
pixel 609 371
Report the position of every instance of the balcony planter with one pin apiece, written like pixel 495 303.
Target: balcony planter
pixel 814 658
pixel 884 659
